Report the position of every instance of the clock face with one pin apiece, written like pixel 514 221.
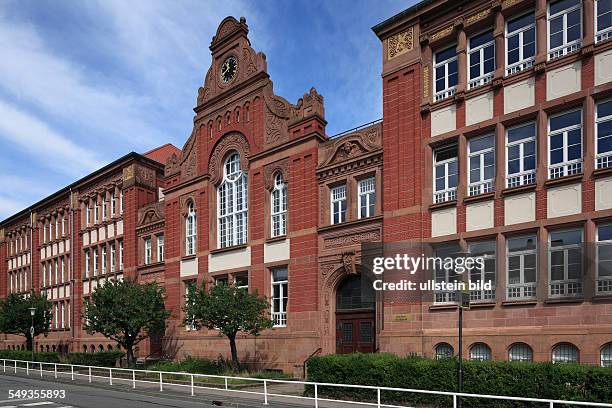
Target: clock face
pixel 228 69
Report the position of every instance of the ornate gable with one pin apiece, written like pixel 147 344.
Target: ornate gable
pixel 352 145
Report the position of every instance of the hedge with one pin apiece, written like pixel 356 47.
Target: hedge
pixel 27 355
pixel 189 365
pixel 521 379
pixel 101 359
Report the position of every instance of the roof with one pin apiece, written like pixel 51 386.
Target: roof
pixel 160 154
pixel 76 184
pixel 410 10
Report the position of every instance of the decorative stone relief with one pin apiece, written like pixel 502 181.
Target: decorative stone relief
pixel 232 141
pixel 400 43
pixel 352 145
pixel 352 239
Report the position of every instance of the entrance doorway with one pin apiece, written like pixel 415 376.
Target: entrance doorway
pixel 355 316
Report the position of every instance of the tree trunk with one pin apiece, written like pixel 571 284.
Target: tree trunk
pixel 130 355
pixel 235 362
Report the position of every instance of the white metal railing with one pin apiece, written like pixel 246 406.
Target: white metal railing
pixel 603 35
pixel 520 179
pixel 521 291
pixel 447 93
pixel 564 50
pixel 480 188
pixel 566 288
pixel 157 378
pixel 604 285
pixel 520 66
pixel 603 160
pixel 443 196
pixel 565 169
pixel 480 81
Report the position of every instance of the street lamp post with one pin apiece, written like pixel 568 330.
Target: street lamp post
pixel 32 313
pixel 463 303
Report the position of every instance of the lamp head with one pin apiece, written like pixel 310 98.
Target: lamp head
pixel 32 311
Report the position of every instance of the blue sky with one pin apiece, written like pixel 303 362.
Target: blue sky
pixel 83 83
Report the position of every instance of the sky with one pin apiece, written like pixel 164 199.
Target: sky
pixel 84 82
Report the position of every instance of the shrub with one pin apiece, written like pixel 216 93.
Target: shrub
pixel 27 355
pixel 535 380
pixel 101 359
pixel 188 365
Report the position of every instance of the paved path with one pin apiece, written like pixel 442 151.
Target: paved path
pixel 98 394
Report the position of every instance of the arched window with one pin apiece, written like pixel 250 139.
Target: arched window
pixel 565 353
pixel 232 204
pixel 481 352
pixel 190 230
pixel 443 351
pixel 520 352
pixel 606 355
pixel 279 206
pixel 100 348
pixel 355 292
pixel 92 348
pixel 84 348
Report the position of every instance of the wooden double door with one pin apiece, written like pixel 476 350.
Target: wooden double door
pixel 355 331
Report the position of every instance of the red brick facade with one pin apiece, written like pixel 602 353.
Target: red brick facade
pixel 372 184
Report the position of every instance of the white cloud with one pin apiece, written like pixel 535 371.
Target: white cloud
pixel 44 145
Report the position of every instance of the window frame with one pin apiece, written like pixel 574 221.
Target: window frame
pixel 568 167
pixel 602 160
pixel 448 91
pixel 570 346
pixel 367 196
pixel 148 250
pixel 566 282
pixel 441 356
pixel 448 193
pixel 278 198
pixel 233 185
pixel 160 247
pixel 567 47
pixel 607 349
pixel 482 295
pixel 484 352
pixel 190 229
pixel 523 177
pixel 526 353
pixel 523 63
pixel 522 286
pixel 279 317
pixel 604 285
pixel 483 78
pixel 336 199
pixel 484 185
pixel 600 35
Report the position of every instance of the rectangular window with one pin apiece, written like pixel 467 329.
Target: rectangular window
pixel 104 259
pixel 44 275
pixel 57 230
pixel 62 270
pixel 120 255
pixel 113 204
pixel 520 43
pixel 104 207
pixel 445 174
pixel 221 280
pixel 50 235
pixel 88 217
pixel 481 59
pixel 96 212
pixel 603 135
pixel 564 27
pixel 445 275
pixel 147 250
pixel 64 220
pixel 63 314
pixel 160 248
pixel 521 267
pixel 366 195
pixel 56 316
pixel 338 204
pixel 112 258
pixel 603 20
pixel 280 296
pixel 241 280
pixel 95 262
pixel 565 144
pixel 481 162
pixel 565 263
pixel 604 258
pixel 121 202
pixel 56 269
pixel 190 289
pixel 445 73
pixel 521 155
pixel 486 274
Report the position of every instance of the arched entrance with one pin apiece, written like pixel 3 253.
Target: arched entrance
pixel 355 316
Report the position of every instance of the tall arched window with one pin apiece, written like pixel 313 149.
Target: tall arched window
pixel 520 352
pixel 190 230
pixel 232 204
pixel 279 206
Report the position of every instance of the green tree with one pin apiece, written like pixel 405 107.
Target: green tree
pixel 230 310
pixel 15 316
pixel 126 312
